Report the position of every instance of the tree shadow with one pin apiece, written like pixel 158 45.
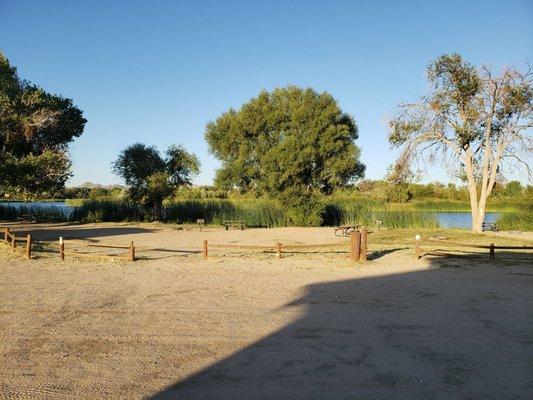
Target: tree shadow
pixel 435 333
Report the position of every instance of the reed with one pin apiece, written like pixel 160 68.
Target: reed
pixel 107 210
pixel 367 212
pixel 254 212
pixel 517 220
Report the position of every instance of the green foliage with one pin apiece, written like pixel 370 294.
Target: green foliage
pixel 398 193
pixel 32 176
pixel 513 188
pixel 181 165
pixel 35 130
pixel 107 210
pixel 286 144
pixel 366 212
pixel 202 192
pixel 254 212
pixel 150 177
pixel 521 220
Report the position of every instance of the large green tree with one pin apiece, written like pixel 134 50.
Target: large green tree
pixel 289 143
pixel 476 122
pixel 151 177
pixel 35 130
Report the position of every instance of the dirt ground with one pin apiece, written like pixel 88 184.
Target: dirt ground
pixel 252 326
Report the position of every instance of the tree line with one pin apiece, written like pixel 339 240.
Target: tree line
pixel 294 144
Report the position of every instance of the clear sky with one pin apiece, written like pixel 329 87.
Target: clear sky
pixel 158 71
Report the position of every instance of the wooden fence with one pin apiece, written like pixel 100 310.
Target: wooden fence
pixel 445 243
pixel 11 239
pixel 357 247
pixel 129 255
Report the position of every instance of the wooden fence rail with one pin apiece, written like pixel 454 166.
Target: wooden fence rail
pixel 358 246
pixel 130 255
pixel 444 243
pixel 11 239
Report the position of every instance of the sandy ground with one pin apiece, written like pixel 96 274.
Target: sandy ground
pixel 257 327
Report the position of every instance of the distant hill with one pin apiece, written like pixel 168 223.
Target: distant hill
pixel 90 185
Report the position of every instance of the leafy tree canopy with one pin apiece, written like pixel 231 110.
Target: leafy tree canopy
pixel 288 143
pixel 35 130
pixel 152 177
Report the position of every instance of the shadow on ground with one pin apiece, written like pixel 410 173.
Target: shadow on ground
pixel 77 232
pixel 461 329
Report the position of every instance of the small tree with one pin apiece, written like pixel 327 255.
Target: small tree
pixel 150 177
pixel 472 120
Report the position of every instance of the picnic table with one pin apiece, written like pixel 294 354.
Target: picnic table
pixel 345 230
pixel 233 224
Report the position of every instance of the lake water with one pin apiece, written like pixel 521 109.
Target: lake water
pixel 32 206
pixel 446 219
pixel 462 219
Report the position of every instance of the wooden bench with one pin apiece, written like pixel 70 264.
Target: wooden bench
pixel 233 224
pixel 345 230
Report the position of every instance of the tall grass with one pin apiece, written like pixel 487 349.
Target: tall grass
pixel 107 210
pixel 254 212
pixel 267 212
pixel 368 212
pixel 521 220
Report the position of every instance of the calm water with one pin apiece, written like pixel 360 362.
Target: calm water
pixel 32 206
pixel 446 219
pixel 462 219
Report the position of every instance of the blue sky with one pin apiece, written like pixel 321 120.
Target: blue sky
pixel 158 71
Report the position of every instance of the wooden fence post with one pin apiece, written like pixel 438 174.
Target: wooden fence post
pixel 278 247
pixel 61 249
pixel 132 251
pixel 491 250
pixel 6 234
pixel 13 241
pixel 355 245
pixel 364 245
pixel 28 247
pixel 205 249
pixel 417 247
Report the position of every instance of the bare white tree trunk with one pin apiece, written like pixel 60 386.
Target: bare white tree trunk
pixel 477 216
